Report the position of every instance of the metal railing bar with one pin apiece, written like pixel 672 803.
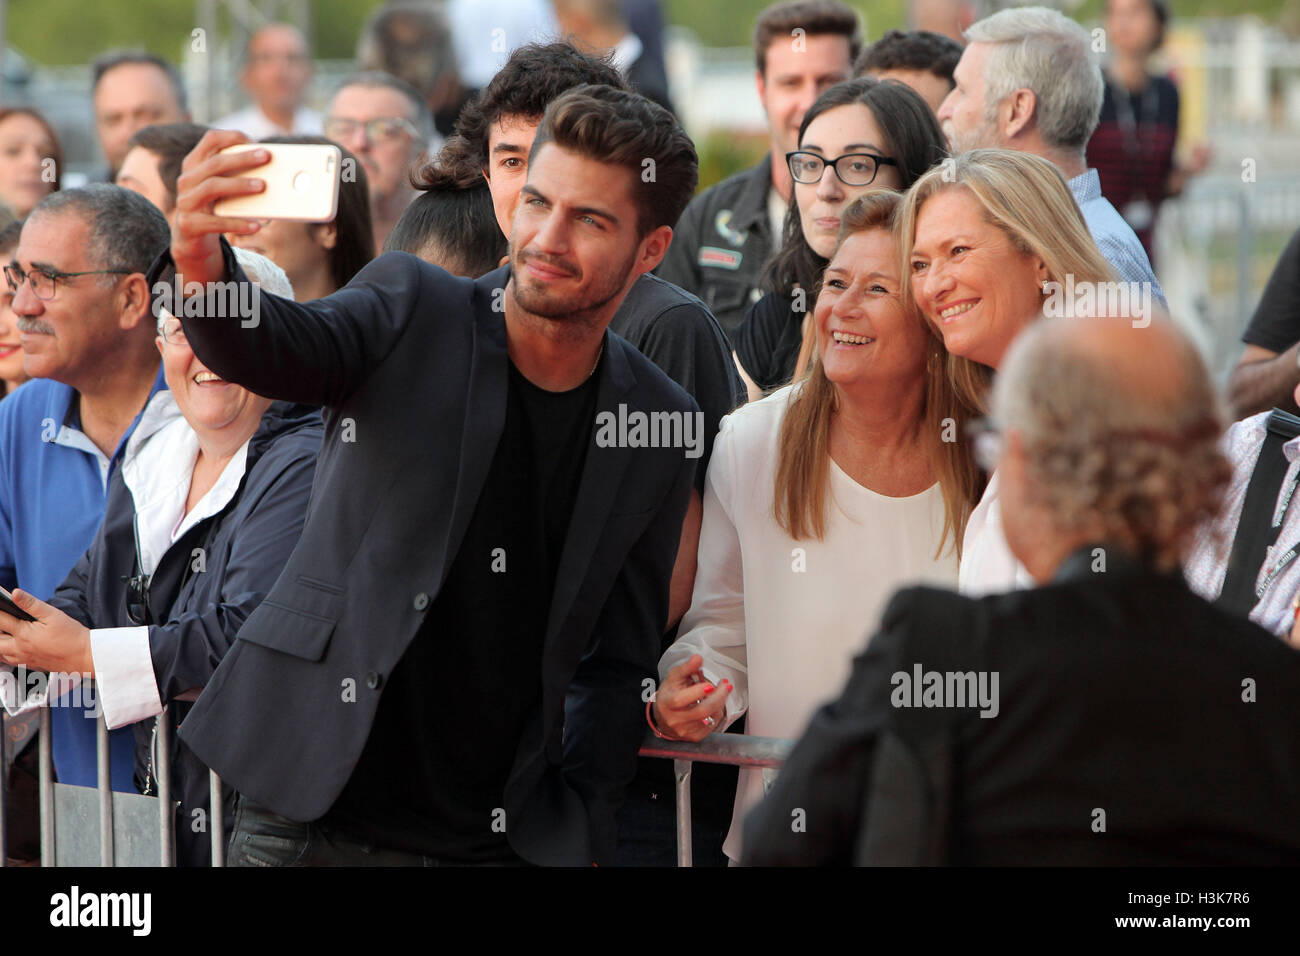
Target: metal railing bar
pixel 4 794
pixel 163 773
pixel 685 846
pixel 45 751
pixel 738 750
pixel 216 821
pixel 104 784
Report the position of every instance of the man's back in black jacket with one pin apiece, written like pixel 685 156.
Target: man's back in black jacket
pixel 1135 724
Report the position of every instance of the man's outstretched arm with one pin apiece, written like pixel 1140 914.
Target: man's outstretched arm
pixel 1263 379
pixel 317 353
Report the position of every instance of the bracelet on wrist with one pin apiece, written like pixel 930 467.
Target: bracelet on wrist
pixel 649 719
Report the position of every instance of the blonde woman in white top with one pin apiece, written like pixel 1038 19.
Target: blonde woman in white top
pixel 990 242
pixel 821 500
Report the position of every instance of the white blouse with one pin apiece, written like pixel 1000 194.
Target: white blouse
pixel 783 619
pixel 987 564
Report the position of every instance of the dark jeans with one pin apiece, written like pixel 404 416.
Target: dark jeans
pixel 263 838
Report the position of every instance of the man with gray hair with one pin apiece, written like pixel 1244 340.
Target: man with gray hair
pixel 87 328
pixel 1028 80
pixel 386 125
pixel 1109 716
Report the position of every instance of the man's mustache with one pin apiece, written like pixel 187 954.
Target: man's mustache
pixel 554 262
pixel 33 326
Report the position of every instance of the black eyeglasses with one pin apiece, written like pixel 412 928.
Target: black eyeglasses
pixel 853 169
pixel 44 281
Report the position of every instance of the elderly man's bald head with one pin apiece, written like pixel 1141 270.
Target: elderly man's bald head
pixel 1112 434
pixel 1152 366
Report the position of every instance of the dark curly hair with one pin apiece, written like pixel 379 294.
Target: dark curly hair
pixel 534 76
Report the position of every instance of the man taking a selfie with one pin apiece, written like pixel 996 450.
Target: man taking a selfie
pixel 450 668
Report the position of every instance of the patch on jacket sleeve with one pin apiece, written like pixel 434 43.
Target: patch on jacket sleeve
pixel 720 258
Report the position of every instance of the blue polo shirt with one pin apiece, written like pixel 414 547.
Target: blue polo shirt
pixel 53 490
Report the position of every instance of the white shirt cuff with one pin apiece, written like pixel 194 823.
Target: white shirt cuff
pixel 124 674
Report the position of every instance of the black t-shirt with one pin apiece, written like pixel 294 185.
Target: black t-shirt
pixel 767 343
pixel 1276 323
pixel 432 776
pixel 676 331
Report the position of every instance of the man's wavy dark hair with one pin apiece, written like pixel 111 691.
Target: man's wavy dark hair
pixel 534 76
pixel 622 128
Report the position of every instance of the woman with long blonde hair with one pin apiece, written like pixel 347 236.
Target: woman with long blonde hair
pixel 991 241
pixel 821 500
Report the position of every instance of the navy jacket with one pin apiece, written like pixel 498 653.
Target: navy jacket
pixel 411 365
pixel 199 612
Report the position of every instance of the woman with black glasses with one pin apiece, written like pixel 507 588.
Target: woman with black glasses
pixel 859 135
pixel 201 518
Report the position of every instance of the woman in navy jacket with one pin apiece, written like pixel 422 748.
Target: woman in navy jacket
pixel 201 518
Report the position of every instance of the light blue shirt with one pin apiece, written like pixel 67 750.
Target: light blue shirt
pixel 1114 237
pixel 53 489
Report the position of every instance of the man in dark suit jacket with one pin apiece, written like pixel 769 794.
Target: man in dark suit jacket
pixel 1109 716
pixel 450 667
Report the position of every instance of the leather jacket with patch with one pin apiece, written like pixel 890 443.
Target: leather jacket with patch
pixel 721 244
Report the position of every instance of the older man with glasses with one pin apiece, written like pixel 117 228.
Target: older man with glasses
pixel 383 121
pixel 87 332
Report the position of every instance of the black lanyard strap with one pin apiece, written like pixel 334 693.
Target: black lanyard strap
pixel 1261 516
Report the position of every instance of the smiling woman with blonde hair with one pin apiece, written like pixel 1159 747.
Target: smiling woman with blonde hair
pixel 988 241
pixel 820 501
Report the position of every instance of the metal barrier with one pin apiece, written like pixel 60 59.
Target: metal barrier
pixel 121 821
pixel 738 750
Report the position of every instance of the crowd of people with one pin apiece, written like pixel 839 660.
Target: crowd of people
pixel 887 446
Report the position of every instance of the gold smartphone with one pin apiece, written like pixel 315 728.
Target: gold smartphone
pixel 302 184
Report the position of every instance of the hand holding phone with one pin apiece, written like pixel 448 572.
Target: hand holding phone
pixel 302 184
pixel 9 607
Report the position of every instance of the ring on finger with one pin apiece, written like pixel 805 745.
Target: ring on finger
pixel 709 721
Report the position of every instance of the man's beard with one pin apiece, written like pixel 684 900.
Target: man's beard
pixel 580 304
pixel 982 137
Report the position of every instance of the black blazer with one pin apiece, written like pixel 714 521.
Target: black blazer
pixel 411 365
pixel 1120 706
